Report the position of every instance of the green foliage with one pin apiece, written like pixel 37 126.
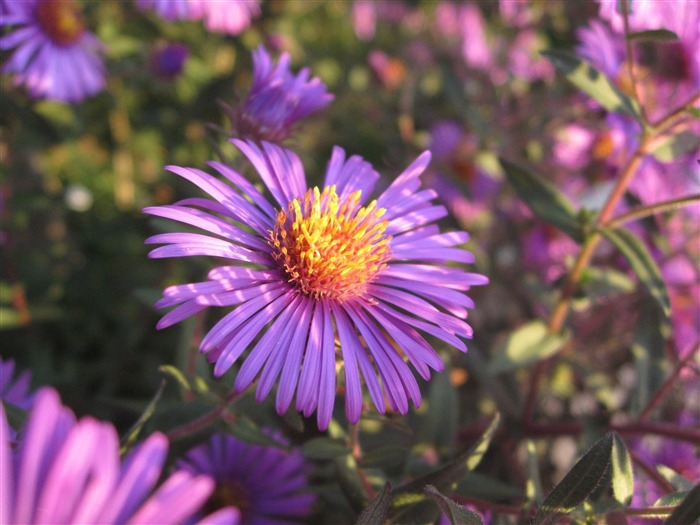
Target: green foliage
pixel 377 511
pixel 592 82
pixel 527 344
pixel 456 513
pixel 688 511
pixel 544 199
pixel 622 474
pixel 578 483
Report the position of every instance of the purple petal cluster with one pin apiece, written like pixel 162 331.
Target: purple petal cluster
pixel 322 276
pixel 269 485
pixel 277 99
pixel 14 388
pixel 55 57
pixel 68 471
pixel 230 16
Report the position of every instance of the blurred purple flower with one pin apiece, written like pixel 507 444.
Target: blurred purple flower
pixel 167 61
pixel 55 56
pixel 267 484
pixel 68 471
pixel 13 389
pixel 277 99
pixel 223 16
pixel 327 264
pixel 476 50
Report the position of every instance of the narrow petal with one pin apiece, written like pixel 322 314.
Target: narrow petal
pixel 291 369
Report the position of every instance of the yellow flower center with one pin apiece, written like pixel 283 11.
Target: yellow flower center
pixel 61 20
pixel 330 249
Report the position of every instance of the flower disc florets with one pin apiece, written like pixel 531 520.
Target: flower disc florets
pixel 60 21
pixel 328 248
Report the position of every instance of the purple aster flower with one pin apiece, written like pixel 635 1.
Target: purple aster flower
pixel 13 389
pixel 321 274
pixel 267 484
pixel 55 56
pixel 68 471
pixel 277 99
pixel 223 16
pixel 167 61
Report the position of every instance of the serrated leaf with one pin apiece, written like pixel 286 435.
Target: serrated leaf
pixel 653 34
pixel 578 483
pixel 676 146
pixel 622 474
pixel 528 344
pixel 377 511
pixel 324 448
pixel 456 513
pixel 544 199
pixel 671 500
pixel 592 82
pixel 448 476
pixel 642 264
pixel 689 509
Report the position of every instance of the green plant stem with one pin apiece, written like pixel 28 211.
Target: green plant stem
pixel 203 421
pixel 644 211
pixel 629 52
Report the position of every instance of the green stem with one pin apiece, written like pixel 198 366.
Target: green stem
pixel 644 211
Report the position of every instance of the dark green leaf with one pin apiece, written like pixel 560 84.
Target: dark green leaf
pixel 592 82
pixel 349 481
pixel 378 510
pixel 528 344
pixel 456 513
pixel 247 430
pixel 605 282
pixel 324 448
pixel 384 457
pixel 440 424
pixel 689 509
pixel 671 500
pixel 693 111
pixel 448 476
pixel 650 363
pixel 578 483
pixel 676 146
pixel 653 34
pixel 15 415
pixel 642 264
pixel 544 199
pixel 622 474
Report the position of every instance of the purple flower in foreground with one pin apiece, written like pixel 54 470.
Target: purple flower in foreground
pixel 277 99
pixel 329 273
pixel 267 484
pixel 68 471
pixel 15 390
pixel 56 58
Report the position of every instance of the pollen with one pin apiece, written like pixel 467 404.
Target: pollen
pixel 61 20
pixel 330 248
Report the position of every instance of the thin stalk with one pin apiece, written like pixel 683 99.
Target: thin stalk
pixel 644 211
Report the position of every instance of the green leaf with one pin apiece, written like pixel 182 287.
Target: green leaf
pixel 349 481
pixel 377 511
pixel 578 483
pixel 592 82
pixel 653 34
pixel 544 199
pixel 622 474
pixel 689 509
pixel 16 416
pixel 605 282
pixel 177 375
pixel 440 426
pixel 676 146
pixel 324 448
pixel 456 513
pixel 671 500
pixel 693 111
pixel 384 457
pixel 533 485
pixel 642 264
pixel 650 362
pixel 678 481
pixel 247 430
pixel 448 476
pixel 528 344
